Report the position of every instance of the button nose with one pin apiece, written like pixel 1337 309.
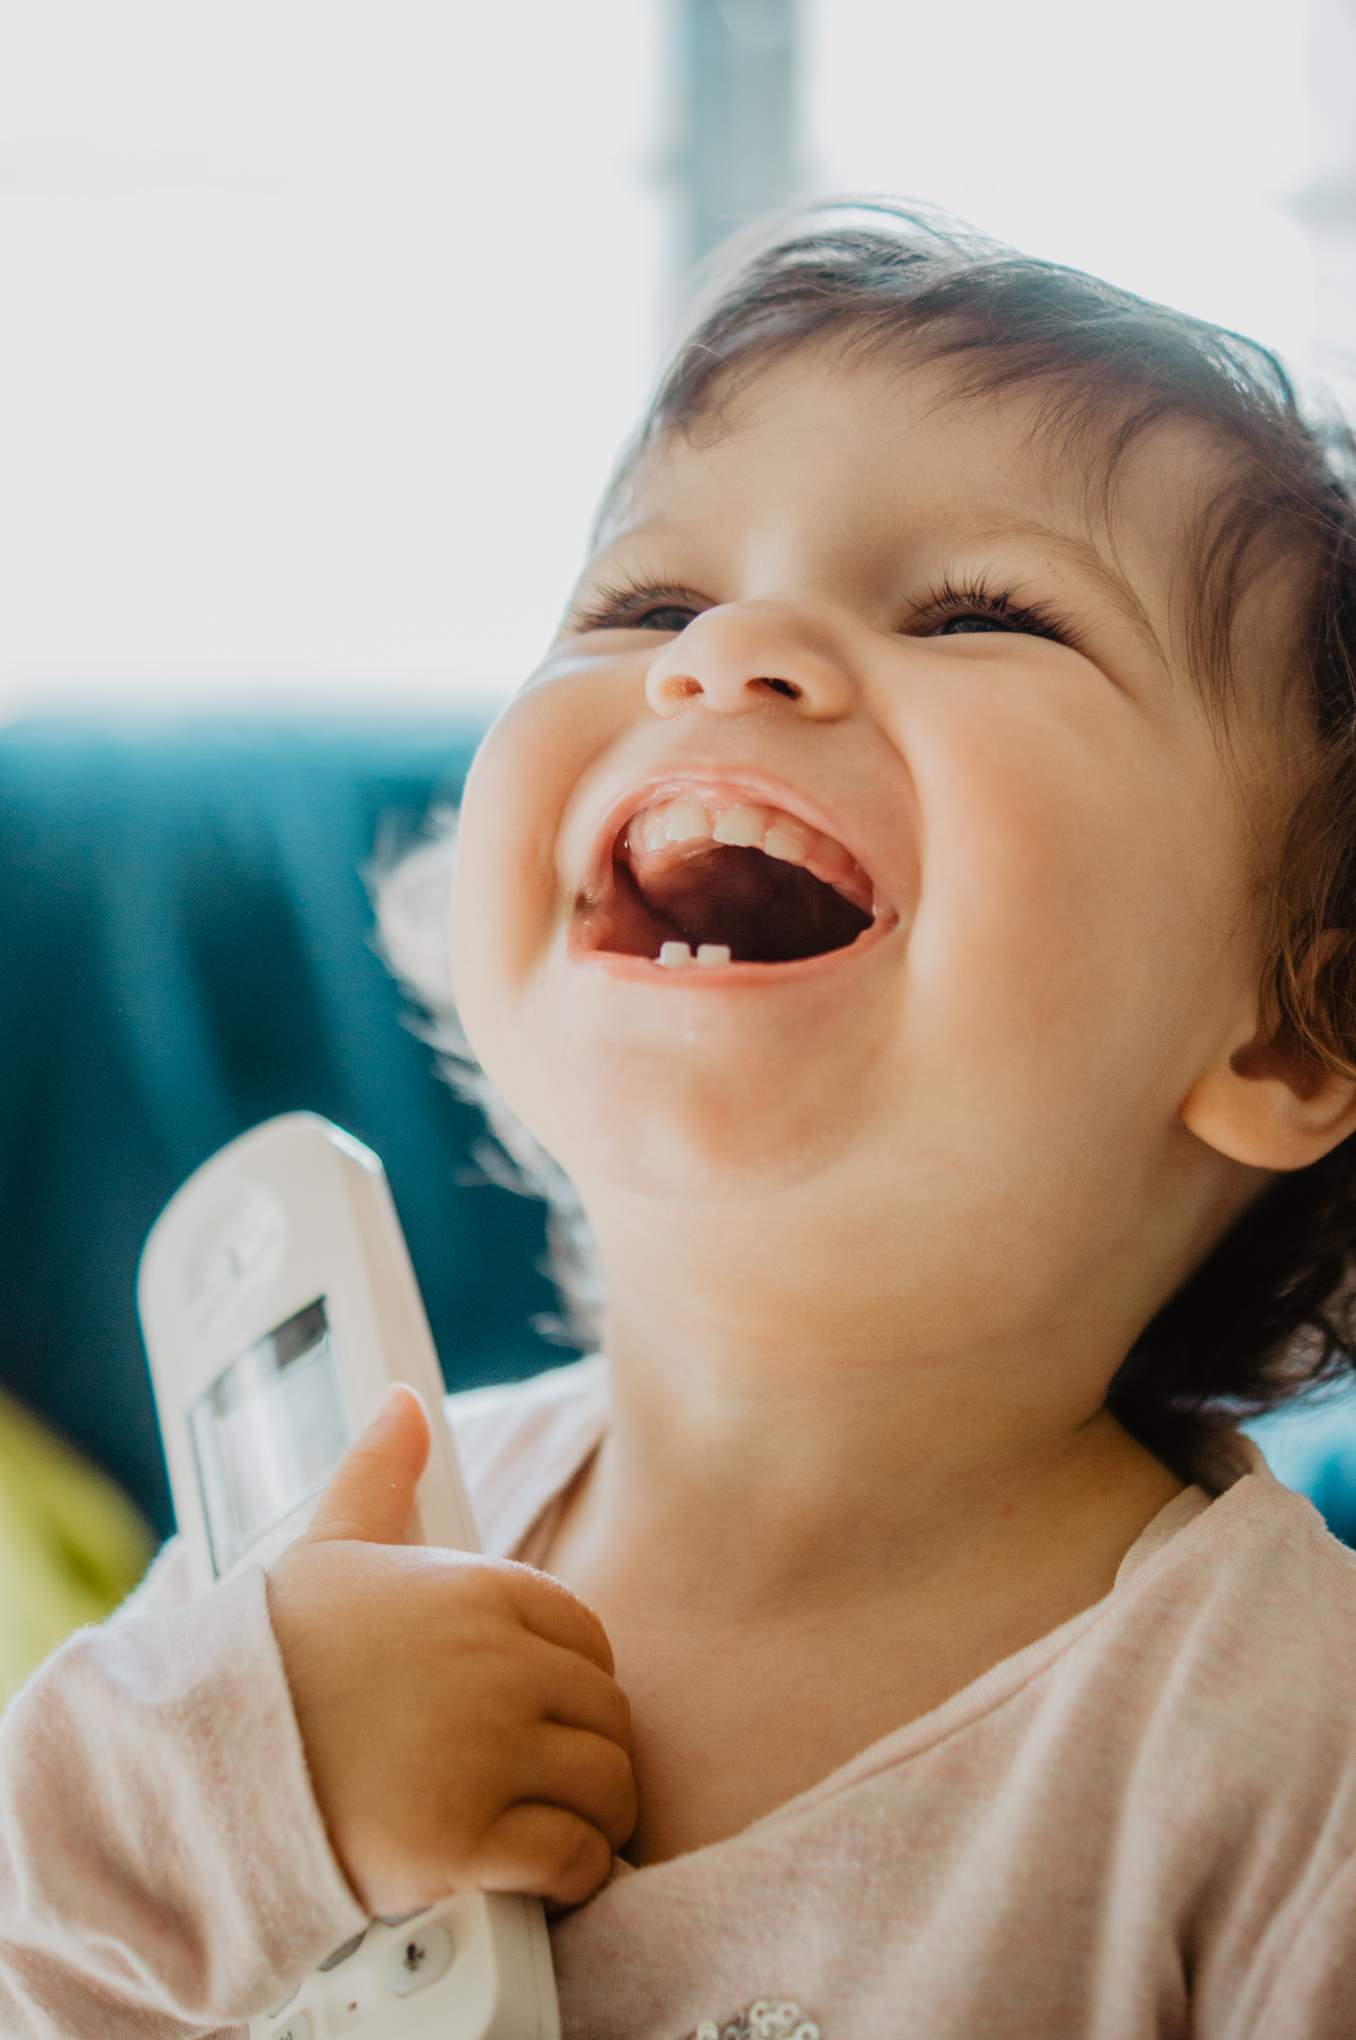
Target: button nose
pixel 745 657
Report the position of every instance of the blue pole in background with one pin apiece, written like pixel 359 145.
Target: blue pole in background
pixel 736 154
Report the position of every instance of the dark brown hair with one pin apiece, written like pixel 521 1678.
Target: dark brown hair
pixel 1272 1310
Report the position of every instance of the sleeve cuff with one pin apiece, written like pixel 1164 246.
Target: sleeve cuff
pixel 164 1838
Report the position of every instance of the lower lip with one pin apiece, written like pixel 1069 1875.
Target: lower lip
pixel 647 970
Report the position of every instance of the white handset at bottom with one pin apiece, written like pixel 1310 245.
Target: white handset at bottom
pixel 277 1302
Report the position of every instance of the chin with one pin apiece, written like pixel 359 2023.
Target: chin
pixel 649 1123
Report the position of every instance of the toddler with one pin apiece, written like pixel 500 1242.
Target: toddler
pixel 910 909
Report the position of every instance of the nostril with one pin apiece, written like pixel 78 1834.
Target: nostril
pixel 786 687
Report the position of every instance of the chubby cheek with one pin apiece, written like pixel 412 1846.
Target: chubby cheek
pixel 506 897
pixel 507 900
pixel 1077 939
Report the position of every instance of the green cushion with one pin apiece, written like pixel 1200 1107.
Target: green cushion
pixel 71 1544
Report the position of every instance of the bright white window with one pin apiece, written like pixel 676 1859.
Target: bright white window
pixel 1153 144
pixel 323 319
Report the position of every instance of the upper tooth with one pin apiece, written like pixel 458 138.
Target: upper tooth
pixel 745 824
pixel 740 825
pixel 653 831
pixel 790 840
pixel 684 820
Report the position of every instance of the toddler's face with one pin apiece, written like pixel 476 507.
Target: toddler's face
pixel 864 690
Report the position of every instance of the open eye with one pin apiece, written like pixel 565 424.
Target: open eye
pixel 963 612
pixel 955 626
pixel 640 608
pixel 665 616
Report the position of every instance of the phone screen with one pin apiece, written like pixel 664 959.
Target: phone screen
pixel 268 1433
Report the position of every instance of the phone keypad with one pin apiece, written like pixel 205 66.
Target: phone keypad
pixel 298 2027
pixel 421 1957
pixel 347 2006
pixel 418 1960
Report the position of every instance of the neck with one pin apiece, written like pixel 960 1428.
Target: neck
pixel 818 1487
pixel 809 1420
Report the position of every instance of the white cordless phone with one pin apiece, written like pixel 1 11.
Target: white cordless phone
pixel 277 1302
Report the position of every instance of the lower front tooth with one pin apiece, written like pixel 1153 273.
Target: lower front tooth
pixel 674 955
pixel 711 955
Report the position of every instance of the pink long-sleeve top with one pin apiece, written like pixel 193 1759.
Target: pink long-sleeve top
pixel 1141 1826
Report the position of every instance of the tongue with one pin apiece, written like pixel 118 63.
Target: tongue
pixel 766 910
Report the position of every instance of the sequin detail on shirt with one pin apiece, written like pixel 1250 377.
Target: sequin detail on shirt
pixel 764 2020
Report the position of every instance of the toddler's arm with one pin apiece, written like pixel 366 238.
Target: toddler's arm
pixel 165 1867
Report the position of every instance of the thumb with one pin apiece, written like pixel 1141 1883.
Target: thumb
pixel 370 1494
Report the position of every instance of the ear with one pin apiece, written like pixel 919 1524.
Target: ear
pixel 1267 1100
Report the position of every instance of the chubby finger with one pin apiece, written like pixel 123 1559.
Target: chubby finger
pixel 370 1495
pixel 585 1774
pixel 577 1693
pixel 544 1852
pixel 551 1611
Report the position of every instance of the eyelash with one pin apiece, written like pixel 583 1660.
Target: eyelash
pixel 626 607
pixel 946 601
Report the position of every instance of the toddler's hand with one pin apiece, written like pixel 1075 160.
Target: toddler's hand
pixel 460 1718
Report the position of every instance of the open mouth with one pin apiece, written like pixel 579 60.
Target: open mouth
pixel 706 883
